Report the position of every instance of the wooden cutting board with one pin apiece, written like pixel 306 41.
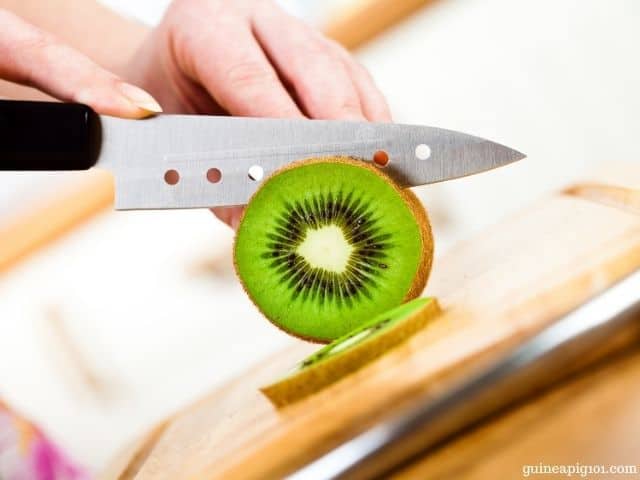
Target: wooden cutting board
pixel 495 289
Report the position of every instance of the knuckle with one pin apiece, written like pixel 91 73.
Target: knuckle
pixel 351 102
pixel 36 51
pixel 351 105
pixel 363 71
pixel 249 73
pixel 352 64
pixel 313 55
pixel 36 42
pixel 316 49
pixel 21 35
pixel 335 107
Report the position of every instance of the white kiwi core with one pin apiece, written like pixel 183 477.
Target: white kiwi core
pixel 351 341
pixel 326 248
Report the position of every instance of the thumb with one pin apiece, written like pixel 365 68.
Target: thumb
pixel 32 57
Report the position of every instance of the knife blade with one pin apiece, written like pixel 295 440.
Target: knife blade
pixel 144 154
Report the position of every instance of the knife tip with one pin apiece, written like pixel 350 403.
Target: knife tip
pixel 511 155
pixel 518 155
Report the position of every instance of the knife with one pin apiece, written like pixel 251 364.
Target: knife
pixel 196 161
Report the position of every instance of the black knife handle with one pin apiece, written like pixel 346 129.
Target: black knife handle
pixel 48 136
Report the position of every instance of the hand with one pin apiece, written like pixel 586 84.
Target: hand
pixel 31 57
pixel 250 58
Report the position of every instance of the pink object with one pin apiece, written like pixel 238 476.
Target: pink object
pixel 27 454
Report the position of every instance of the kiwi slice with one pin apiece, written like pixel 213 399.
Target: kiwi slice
pixel 327 244
pixel 347 354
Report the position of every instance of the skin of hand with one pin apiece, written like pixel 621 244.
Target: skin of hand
pixel 32 57
pixel 250 58
pixel 236 57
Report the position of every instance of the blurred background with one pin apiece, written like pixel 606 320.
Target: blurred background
pixel 135 314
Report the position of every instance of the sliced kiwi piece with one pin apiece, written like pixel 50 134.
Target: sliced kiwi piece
pixel 347 354
pixel 327 244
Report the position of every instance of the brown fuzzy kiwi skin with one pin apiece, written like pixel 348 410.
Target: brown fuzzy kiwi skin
pixel 416 207
pixel 313 379
pixel 426 261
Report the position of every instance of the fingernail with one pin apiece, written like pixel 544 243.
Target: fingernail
pixel 140 98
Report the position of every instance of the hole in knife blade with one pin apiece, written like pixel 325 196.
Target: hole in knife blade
pixel 381 158
pixel 423 152
pixel 256 173
pixel 214 175
pixel 171 177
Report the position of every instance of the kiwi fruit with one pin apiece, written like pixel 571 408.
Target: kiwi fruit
pixel 354 350
pixel 326 244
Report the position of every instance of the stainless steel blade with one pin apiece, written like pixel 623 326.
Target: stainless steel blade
pixel 140 152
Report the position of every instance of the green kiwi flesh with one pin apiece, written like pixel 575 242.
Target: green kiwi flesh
pixel 327 244
pixel 352 351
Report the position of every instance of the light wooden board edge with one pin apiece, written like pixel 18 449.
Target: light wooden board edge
pixel 369 18
pixel 53 217
pixel 623 198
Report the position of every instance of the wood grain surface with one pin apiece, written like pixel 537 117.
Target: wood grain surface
pixel 495 289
